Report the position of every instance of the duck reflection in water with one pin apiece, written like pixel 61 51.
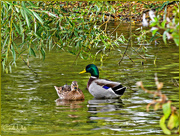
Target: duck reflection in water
pixel 104 105
pixel 71 104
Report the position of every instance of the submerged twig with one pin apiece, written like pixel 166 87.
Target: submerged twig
pixel 27 65
pixel 139 54
pixel 130 58
pixel 175 82
pixel 123 55
pixel 130 39
pixel 115 29
pixel 77 57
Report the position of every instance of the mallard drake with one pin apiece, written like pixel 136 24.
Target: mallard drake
pixel 102 88
pixel 68 92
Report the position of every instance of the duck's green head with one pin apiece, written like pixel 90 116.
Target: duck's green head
pixel 91 68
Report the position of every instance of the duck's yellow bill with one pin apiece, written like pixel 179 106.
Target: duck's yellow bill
pixel 84 71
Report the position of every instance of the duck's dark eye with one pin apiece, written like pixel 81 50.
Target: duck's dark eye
pixel 75 87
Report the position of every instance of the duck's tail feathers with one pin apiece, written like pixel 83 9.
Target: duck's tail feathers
pixel 119 89
pixel 56 88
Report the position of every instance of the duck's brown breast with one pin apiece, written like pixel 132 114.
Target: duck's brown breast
pixel 74 95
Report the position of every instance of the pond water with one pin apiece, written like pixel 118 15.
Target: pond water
pixel 28 102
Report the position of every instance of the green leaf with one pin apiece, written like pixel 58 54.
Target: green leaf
pixel 31 51
pixel 31 3
pixel 38 17
pixel 154 38
pixel 23 4
pixel 163 24
pixel 167 109
pixel 27 19
pixel 154 31
pixel 28 11
pixel 164 4
pixel 22 12
pixel 102 38
pixel 35 25
pixel 76 34
pixel 43 53
pixel 163 125
pixel 17 29
pixel 21 53
pixel 5 42
pixel 70 22
pixel 173 121
pixel 17 10
pixel 13 53
pixel 50 14
pixel 164 37
pixel 176 41
pixel 20 27
pixel 62 9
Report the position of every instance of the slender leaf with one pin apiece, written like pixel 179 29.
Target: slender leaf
pixel 70 22
pixel 163 125
pixel 163 24
pixel 22 12
pixel 20 26
pixel 31 3
pixel 164 37
pixel 27 19
pixel 76 34
pixel 50 14
pixel 31 52
pixel 13 52
pixel 16 27
pixel 5 42
pixel 43 53
pixel 38 17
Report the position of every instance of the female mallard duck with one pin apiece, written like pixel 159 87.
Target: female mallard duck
pixel 68 92
pixel 101 88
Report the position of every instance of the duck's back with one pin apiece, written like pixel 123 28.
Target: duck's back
pixel 64 92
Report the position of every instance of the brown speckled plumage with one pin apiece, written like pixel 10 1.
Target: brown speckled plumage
pixel 72 92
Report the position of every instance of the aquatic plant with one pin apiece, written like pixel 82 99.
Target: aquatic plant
pixel 169 111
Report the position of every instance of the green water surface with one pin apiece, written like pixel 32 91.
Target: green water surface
pixel 28 102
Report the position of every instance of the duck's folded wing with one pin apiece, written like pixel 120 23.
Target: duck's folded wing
pixel 103 82
pixel 115 86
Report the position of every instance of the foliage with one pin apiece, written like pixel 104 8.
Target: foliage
pixel 28 28
pixel 169 111
pixel 167 28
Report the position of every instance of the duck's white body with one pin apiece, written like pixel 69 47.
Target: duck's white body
pixel 101 88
